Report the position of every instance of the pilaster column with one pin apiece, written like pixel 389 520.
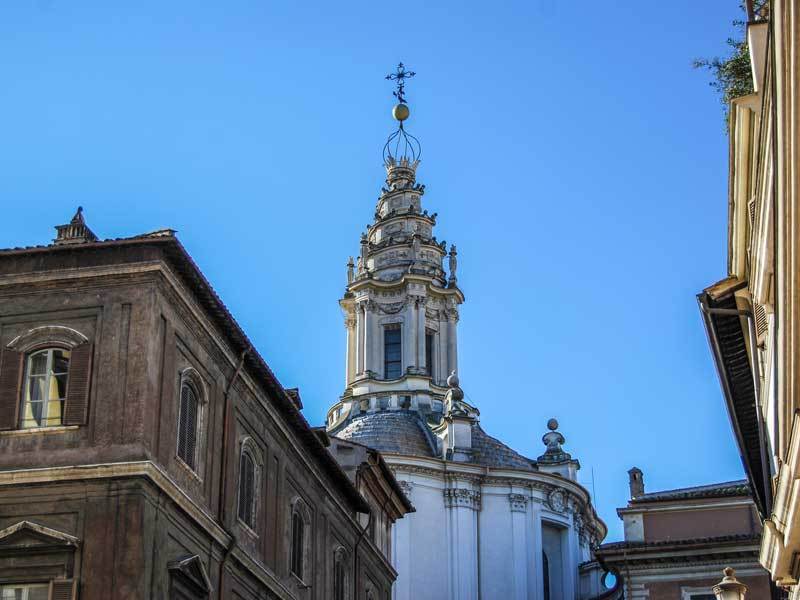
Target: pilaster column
pixel 518 504
pixel 452 342
pixel 462 506
pixel 536 589
pixel 360 338
pixel 571 560
pixel 350 368
pixel 421 333
pixel 409 336
pixel 401 557
pixel 368 357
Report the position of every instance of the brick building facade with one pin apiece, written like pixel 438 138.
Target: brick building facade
pixel 147 450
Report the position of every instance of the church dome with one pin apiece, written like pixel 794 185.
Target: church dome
pixel 491 452
pixel 396 432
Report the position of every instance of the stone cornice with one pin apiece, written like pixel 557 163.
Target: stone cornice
pixel 575 498
pixel 146 469
pixel 406 278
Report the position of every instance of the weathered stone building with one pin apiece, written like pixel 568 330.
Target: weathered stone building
pixel 147 450
pixel 677 542
pixel 752 316
pixel 489 523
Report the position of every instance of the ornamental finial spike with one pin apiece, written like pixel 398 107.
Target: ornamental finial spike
pixel 401 145
pixel 400 75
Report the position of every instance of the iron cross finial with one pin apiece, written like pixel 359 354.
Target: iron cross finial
pixel 400 75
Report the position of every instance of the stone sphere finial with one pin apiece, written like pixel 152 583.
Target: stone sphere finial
pixel 401 112
pixel 452 380
pixel 552 424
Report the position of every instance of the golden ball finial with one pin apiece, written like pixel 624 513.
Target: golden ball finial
pixel 400 112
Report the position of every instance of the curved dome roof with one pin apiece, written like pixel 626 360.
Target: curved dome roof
pixel 396 431
pixel 491 452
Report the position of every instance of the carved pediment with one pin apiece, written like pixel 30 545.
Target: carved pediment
pixel 191 572
pixel 27 534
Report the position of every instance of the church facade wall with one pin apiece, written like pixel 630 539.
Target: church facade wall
pixel 484 534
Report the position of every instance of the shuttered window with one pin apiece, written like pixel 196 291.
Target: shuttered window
pixel 247 491
pixel 187 425
pixel 10 381
pixel 298 540
pixel 45 390
pixel 62 589
pixel 78 385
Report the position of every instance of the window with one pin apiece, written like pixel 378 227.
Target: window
pixel 187 424
pixel 392 352
pixel 247 488
pixel 298 543
pixel 429 353
pixel 339 575
pixel 46 374
pixel 36 591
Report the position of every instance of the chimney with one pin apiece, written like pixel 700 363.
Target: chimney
pixel 636 482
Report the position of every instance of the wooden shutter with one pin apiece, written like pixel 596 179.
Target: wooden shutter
pixel 10 387
pixel 78 383
pixel 62 589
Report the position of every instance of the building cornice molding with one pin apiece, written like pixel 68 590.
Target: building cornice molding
pixel 144 469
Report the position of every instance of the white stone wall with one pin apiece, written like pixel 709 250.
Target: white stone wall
pixel 484 540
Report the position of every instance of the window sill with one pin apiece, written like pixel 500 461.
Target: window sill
pixel 299 582
pixel 246 528
pixel 37 430
pixel 182 464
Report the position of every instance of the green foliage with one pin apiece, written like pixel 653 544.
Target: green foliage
pixel 732 75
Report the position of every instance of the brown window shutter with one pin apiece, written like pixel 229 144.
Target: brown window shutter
pixel 10 387
pixel 80 373
pixel 62 589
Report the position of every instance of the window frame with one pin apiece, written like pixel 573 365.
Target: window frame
pixel 26 377
pixel 392 327
pixel 44 337
pixel 26 587
pixel 191 378
pixel 248 448
pixel 430 352
pixel 299 510
pixel 340 560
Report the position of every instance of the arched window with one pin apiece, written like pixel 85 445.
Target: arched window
pixel 46 373
pixel 298 543
pixel 339 574
pixel 188 420
pixel 546 575
pixel 247 488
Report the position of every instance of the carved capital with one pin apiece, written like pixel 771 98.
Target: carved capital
pixel 460 497
pixel 518 502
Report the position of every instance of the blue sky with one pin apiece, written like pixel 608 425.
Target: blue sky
pixel 571 151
